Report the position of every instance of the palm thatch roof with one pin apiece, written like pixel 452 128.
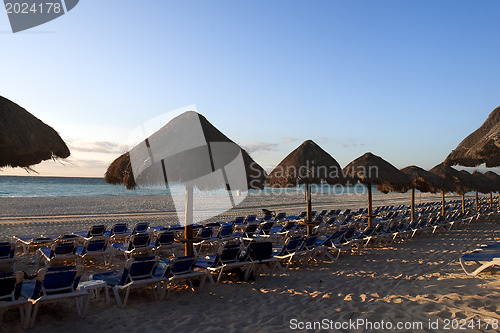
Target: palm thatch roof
pixel 494 180
pixel 24 139
pixel 187 149
pixel 425 181
pixel 483 183
pixel 481 146
pixel 462 183
pixel 372 169
pixel 307 164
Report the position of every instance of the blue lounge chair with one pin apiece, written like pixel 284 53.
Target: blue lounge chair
pixel 54 285
pixel 482 259
pixel 140 228
pixel 33 242
pixel 261 253
pixel 118 232
pixel 95 247
pixel 182 269
pixel 288 251
pixel 139 244
pixel 60 252
pixel 10 296
pixel 7 252
pixel 165 242
pixel 94 231
pixel 230 257
pixel 138 273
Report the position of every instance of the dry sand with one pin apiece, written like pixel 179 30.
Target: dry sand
pixel 419 282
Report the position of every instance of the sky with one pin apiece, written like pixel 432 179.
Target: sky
pixel 407 80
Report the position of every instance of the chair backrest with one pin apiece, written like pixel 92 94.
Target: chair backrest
pixel 250 230
pixel 230 253
pixel 250 218
pixel 267 217
pixel 302 215
pixel 181 265
pixel 138 269
pixel 95 245
pixel 290 225
pixel 140 227
pixel 309 242
pixel 7 250
pixel 56 280
pixel 119 229
pixel 139 241
pixel 225 231
pixel 62 248
pixel 259 251
pixel 205 232
pixel 165 238
pixel 96 231
pixel 291 245
pixel 265 228
pixel 239 220
pixel 10 286
pixel 280 216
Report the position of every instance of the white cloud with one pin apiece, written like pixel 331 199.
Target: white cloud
pixel 288 139
pixel 106 147
pixel 252 147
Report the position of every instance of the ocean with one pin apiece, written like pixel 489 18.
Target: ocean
pixel 38 186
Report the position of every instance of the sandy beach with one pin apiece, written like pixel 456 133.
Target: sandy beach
pixel 418 282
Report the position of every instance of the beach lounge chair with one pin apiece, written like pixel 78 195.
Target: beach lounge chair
pixel 7 252
pixel 181 269
pixel 61 252
pixel 288 251
pixel 165 243
pixel 10 296
pixel 95 247
pixel 137 273
pixel 230 257
pixel 140 228
pixel 139 244
pixel 482 259
pixel 54 285
pixel 119 232
pixel 308 248
pixel 261 253
pixel 33 242
pixel 94 231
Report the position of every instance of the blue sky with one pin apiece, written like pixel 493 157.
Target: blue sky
pixel 404 79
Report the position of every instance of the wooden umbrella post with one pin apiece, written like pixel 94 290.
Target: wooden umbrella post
pixel 491 200
pixel 309 208
pixel 443 204
pixel 463 203
pixel 188 228
pixel 412 204
pixel 369 188
pixel 477 201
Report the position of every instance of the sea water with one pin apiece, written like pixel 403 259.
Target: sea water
pixel 38 186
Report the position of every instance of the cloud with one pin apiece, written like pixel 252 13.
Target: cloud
pixel 107 147
pixel 288 139
pixel 353 144
pixel 252 147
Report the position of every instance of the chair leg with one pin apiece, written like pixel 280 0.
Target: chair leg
pixel 117 297
pixel 33 315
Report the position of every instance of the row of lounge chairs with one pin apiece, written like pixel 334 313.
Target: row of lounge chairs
pixel 244 247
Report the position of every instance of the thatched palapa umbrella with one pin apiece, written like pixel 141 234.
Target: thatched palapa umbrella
pixel 424 181
pixel 495 183
pixel 25 140
pixel 462 183
pixel 483 185
pixel 481 146
pixel 372 169
pixel 188 150
pixel 306 165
